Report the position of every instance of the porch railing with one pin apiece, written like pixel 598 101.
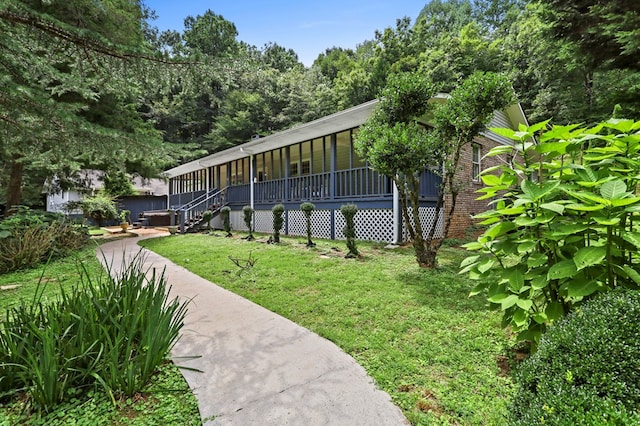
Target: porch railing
pixel 191 212
pixel 360 183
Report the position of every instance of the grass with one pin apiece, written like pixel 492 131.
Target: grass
pixel 166 401
pixel 415 331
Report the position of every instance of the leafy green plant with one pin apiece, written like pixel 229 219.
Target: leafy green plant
pixel 586 370
pixel 167 400
pixel 113 330
pixel 100 207
pixel 124 216
pixel 225 212
pixel 247 212
pixel 278 221
pixel 349 211
pixel 307 209
pixel 30 237
pixel 564 225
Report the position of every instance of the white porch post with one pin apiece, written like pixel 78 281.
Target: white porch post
pixel 252 181
pixel 397 216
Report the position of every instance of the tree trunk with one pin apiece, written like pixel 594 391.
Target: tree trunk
pixel 14 191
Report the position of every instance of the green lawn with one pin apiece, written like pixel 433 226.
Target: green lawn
pixel 426 343
pixel 167 401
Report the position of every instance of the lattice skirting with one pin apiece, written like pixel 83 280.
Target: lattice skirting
pixel 371 224
pixel 427 216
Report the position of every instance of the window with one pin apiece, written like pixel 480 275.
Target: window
pixel 476 155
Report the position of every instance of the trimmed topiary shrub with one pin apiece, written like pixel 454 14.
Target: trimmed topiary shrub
pixel 247 211
pixel 307 209
pixel 278 221
pixel 349 211
pixel 225 212
pixel 586 370
pixel 206 218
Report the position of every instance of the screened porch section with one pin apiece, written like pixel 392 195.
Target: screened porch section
pixel 324 169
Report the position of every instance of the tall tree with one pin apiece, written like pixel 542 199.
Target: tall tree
pixel 608 32
pixel 67 90
pixel 210 34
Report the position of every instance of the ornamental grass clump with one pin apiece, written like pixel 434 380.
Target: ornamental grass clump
pixel 349 211
pixel 111 331
pixel 586 370
pixel 29 238
pixel 225 212
pixel 278 221
pixel 307 209
pixel 247 212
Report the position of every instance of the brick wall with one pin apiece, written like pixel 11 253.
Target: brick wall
pixel 466 205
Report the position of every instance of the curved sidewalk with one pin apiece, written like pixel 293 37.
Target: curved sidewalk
pixel 258 368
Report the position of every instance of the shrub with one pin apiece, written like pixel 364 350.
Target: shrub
pixel 278 221
pixel 113 330
pixel 586 370
pixel 307 209
pixel 565 224
pixel 100 207
pixel 247 211
pixel 225 212
pixel 349 211
pixel 30 237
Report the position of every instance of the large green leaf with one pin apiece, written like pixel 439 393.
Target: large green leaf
pixel 632 237
pixel 516 279
pixel 525 304
pixel 554 207
pixel 579 288
pixel 614 189
pixel 509 301
pixel 589 256
pixel 490 180
pixel 563 269
pixel 554 311
pixel 632 273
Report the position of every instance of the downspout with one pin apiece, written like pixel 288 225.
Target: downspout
pixel 397 215
pixel 252 181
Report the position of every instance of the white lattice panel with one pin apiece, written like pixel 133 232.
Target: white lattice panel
pixel 263 221
pixel 237 221
pixel 427 216
pixel 320 223
pixel 371 225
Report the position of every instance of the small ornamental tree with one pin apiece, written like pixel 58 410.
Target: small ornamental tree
pixel 278 221
pixel 565 223
pixel 396 143
pixel 349 211
pixel 225 212
pixel 247 211
pixel 307 209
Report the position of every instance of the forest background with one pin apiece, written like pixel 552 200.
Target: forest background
pixel 96 85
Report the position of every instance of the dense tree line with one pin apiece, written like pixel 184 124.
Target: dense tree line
pixel 94 84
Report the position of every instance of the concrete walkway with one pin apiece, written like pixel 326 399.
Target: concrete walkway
pixel 258 368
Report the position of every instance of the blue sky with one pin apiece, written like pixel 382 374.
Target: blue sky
pixel 307 27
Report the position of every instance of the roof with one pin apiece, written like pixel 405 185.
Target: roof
pixel 334 123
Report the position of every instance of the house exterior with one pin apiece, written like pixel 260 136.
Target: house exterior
pixel 151 194
pixel 316 162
